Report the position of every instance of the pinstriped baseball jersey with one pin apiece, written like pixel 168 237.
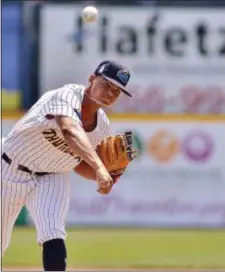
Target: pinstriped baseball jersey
pixel 37 142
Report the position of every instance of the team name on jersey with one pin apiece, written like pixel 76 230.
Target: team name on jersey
pixel 52 137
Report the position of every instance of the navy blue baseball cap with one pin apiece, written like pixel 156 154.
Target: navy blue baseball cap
pixel 114 73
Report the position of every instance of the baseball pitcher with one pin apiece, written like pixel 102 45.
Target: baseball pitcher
pixel 66 129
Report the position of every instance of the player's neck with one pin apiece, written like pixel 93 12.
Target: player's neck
pixel 89 107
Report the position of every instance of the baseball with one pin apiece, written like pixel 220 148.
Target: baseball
pixel 90 14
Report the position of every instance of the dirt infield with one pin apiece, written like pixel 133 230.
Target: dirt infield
pixel 122 269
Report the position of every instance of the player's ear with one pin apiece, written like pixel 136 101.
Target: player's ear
pixel 91 78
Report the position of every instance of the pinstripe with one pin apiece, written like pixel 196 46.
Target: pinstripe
pixel 59 105
pixel 62 197
pixel 47 197
pixel 8 207
pixel 62 208
pixel 40 204
pixel 13 194
pixel 49 234
pixel 26 151
pixel 17 139
pixel 5 204
pixel 49 215
pixel 21 193
pixel 30 154
pixel 60 219
pixel 35 146
pixel 54 215
pixel 65 198
pixel 34 207
pixel 56 218
pixel 65 109
pixel 14 141
pixel 31 205
pixel 47 208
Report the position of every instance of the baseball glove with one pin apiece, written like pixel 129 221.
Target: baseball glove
pixel 116 152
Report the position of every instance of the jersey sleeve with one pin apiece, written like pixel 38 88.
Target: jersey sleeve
pixel 65 102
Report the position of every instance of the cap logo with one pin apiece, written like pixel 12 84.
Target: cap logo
pixel 123 76
pixel 101 69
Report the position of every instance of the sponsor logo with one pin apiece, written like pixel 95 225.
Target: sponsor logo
pixel 163 146
pixel 138 144
pixel 160 31
pixel 196 146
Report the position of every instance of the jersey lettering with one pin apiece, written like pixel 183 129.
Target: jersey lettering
pixel 51 136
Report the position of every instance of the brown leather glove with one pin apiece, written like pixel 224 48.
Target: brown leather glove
pixel 116 152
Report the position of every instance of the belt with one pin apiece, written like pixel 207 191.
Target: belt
pixel 23 168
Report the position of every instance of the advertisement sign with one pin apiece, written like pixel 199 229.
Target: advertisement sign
pixel 177 181
pixel 176 55
pixel 11 56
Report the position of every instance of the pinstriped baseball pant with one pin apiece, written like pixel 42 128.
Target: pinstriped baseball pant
pixel 46 198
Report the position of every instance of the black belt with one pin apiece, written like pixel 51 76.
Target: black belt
pixel 23 168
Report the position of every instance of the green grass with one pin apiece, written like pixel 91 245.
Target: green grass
pixel 126 247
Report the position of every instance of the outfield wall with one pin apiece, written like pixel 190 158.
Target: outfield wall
pixel 178 180
pixel 176 56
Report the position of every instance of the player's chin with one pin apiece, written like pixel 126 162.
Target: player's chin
pixel 108 103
